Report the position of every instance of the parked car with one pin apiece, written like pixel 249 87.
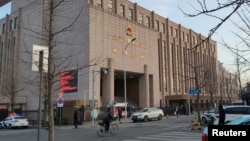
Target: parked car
pixel 147 114
pixel 210 115
pixel 232 112
pixel 14 122
pixel 244 120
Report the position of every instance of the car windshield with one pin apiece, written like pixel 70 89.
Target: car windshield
pixel 19 117
pixel 236 122
pixel 143 110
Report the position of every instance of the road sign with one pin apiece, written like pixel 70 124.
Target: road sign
pixel 194 91
pixel 60 100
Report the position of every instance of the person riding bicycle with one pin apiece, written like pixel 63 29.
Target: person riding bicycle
pixel 107 118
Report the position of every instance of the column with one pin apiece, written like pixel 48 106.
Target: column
pixel 144 89
pixel 108 84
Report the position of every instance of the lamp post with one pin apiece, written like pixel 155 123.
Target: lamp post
pixel 40 93
pixel 93 92
pixel 125 85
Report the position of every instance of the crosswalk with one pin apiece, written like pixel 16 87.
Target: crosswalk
pixel 15 132
pixel 161 125
pixel 169 136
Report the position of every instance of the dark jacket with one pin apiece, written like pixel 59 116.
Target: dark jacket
pixel 75 116
pixel 222 115
pixel 107 117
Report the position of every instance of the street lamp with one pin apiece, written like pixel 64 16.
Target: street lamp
pixel 93 92
pixel 125 86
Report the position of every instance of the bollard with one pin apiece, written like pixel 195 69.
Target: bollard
pixel 191 125
pixel 166 116
pixel 195 121
pixel 121 120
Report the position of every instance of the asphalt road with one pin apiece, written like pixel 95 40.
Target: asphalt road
pixel 167 129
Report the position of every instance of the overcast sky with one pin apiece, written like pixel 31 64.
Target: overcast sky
pixel 202 24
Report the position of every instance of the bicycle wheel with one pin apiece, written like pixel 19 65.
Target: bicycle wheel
pixel 113 129
pixel 100 131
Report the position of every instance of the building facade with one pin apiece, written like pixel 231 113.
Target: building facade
pixel 149 59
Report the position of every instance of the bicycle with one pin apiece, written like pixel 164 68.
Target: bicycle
pixel 113 129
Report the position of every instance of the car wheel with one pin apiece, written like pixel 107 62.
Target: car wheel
pixel 134 120
pixel 159 117
pixel 25 127
pixel 10 127
pixel 145 118
pixel 1 126
pixel 204 120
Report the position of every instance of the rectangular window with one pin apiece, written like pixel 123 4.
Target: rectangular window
pixel 11 25
pixel 110 5
pixel 173 66
pixel 122 10
pixel 3 28
pixel 187 37
pixel 130 14
pixel 15 23
pixel 171 31
pixel 164 66
pixel 163 28
pixel 140 18
pixel 176 33
pixel 99 3
pixel 157 25
pixel 148 21
pixel 183 36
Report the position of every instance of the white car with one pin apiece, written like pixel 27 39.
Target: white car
pixel 14 122
pixel 147 114
pixel 233 112
pixel 209 116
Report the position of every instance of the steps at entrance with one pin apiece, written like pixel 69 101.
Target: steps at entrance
pixel 132 103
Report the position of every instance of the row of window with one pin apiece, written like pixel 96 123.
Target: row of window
pixel 161 27
pixel 12 25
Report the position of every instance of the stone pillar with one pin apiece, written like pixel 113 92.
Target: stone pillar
pixel 144 89
pixel 108 84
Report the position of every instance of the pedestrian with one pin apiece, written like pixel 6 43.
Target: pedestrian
pixel 222 115
pixel 75 118
pixel 184 110
pixel 177 111
pixel 119 114
pixel 47 121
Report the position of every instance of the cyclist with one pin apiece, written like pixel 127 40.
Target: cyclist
pixel 107 118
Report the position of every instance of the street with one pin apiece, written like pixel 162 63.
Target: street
pixel 169 129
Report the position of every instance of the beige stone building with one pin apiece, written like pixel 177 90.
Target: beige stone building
pixel 159 60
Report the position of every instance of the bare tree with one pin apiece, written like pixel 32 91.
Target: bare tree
pixel 239 8
pixel 198 78
pixel 232 7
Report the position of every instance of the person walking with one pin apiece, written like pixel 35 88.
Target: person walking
pixel 120 114
pixel 75 118
pixel 222 115
pixel 177 111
